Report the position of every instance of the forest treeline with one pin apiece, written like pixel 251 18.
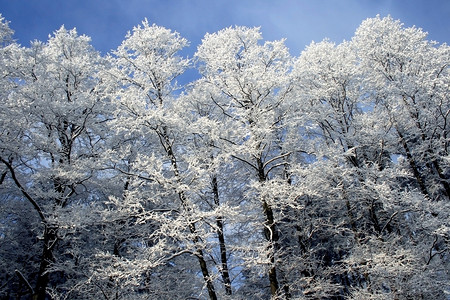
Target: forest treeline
pixel 270 176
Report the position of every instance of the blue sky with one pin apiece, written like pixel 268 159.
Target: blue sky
pixel 300 21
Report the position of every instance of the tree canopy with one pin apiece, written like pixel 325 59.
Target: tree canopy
pixel 270 176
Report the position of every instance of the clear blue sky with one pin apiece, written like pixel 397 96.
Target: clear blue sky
pixel 300 21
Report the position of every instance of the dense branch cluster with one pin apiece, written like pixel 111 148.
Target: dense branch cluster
pixel 322 176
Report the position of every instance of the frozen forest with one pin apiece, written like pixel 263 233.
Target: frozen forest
pixel 269 176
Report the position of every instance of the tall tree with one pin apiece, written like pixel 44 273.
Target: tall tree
pixel 249 83
pixel 54 106
pixel 408 76
pixel 164 173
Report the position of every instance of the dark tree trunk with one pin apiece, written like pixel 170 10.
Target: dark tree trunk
pixel 50 241
pixel 413 165
pixel 272 235
pixel 223 250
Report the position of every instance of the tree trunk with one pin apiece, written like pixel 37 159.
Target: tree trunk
pixel 413 165
pixel 223 251
pixel 272 235
pixel 50 240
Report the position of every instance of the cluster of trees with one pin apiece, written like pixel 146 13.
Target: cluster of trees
pixel 322 176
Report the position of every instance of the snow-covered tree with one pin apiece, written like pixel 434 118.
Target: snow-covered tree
pixel 48 142
pixel 249 82
pixel 408 76
pixel 163 171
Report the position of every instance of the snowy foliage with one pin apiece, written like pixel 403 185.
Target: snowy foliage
pixel 322 176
